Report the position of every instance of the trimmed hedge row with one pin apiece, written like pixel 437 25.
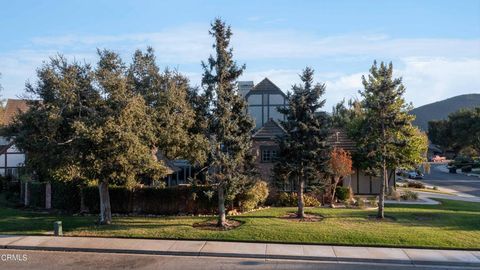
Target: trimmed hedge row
pixel 159 201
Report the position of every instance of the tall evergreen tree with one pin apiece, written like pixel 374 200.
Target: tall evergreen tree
pixel 228 125
pixel 386 133
pixel 303 151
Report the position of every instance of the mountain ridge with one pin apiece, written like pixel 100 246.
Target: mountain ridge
pixel 441 109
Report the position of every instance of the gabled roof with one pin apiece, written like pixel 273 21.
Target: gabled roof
pixel 270 130
pixel 13 107
pixel 266 86
pixel 338 138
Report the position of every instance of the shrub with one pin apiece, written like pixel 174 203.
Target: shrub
pixel 342 193
pixel 37 194
pixel 291 199
pixel 395 194
pixel 359 202
pixel 373 202
pixel 415 184
pixel 435 188
pixel 467 168
pixel 409 195
pixel 254 196
pixel 66 196
pixel 152 200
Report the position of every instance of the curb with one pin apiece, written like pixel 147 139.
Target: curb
pixel 240 255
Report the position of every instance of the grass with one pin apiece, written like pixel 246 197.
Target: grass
pixel 452 224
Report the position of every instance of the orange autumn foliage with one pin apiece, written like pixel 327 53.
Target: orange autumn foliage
pixel 340 163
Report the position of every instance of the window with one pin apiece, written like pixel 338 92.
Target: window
pixel 269 155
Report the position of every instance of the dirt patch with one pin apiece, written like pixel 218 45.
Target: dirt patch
pixel 307 218
pixel 211 225
pixel 385 219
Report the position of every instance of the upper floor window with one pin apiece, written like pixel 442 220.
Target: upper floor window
pixel 269 155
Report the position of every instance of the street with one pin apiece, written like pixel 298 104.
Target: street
pixel 22 259
pixel 459 182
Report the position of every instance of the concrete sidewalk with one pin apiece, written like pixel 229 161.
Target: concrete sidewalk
pixel 245 250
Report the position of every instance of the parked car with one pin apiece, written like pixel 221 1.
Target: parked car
pixel 438 158
pixel 415 175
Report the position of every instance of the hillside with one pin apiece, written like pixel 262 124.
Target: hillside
pixel 441 109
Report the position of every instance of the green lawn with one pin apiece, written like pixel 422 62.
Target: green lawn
pixel 450 225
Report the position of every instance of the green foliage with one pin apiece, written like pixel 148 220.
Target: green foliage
pixel 228 126
pixel 291 199
pixel 342 193
pixel 460 131
pixel 409 195
pixel 254 196
pixel 159 201
pixel 415 184
pixel 66 196
pixel 303 151
pixel 37 194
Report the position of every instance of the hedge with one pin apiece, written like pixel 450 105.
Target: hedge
pixel 159 201
pixel 37 194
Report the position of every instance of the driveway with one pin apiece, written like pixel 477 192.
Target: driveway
pixel 459 182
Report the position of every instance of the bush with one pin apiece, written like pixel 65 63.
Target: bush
pixel 254 196
pixel 395 194
pixel 37 194
pixel 409 195
pixel 360 202
pixel 342 193
pixel 467 168
pixel 291 200
pixel 415 184
pixel 66 196
pixel 159 201
pixel 373 202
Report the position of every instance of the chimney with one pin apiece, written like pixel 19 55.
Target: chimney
pixel 244 87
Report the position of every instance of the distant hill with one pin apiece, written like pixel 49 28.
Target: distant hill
pixel 441 109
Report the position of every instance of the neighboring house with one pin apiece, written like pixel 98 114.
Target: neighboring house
pixel 11 159
pixel 361 183
pixel 263 100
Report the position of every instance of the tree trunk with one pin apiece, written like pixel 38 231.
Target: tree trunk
pixel 83 208
pixel 26 200
pixel 335 183
pixel 48 195
pixel 222 220
pixel 381 199
pixel 105 210
pixel 300 212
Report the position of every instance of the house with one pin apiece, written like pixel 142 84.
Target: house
pixel 11 159
pixel 262 101
pixel 359 181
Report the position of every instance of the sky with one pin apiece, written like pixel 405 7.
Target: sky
pixel 434 45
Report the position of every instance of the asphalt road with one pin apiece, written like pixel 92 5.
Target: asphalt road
pixel 20 259
pixel 459 182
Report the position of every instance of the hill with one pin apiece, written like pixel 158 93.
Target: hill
pixel 441 109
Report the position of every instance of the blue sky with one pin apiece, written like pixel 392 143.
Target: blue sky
pixel 434 45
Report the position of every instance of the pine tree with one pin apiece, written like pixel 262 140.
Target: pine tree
pixel 228 127
pixel 303 151
pixel 386 133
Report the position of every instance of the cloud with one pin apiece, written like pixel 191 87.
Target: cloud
pixel 432 68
